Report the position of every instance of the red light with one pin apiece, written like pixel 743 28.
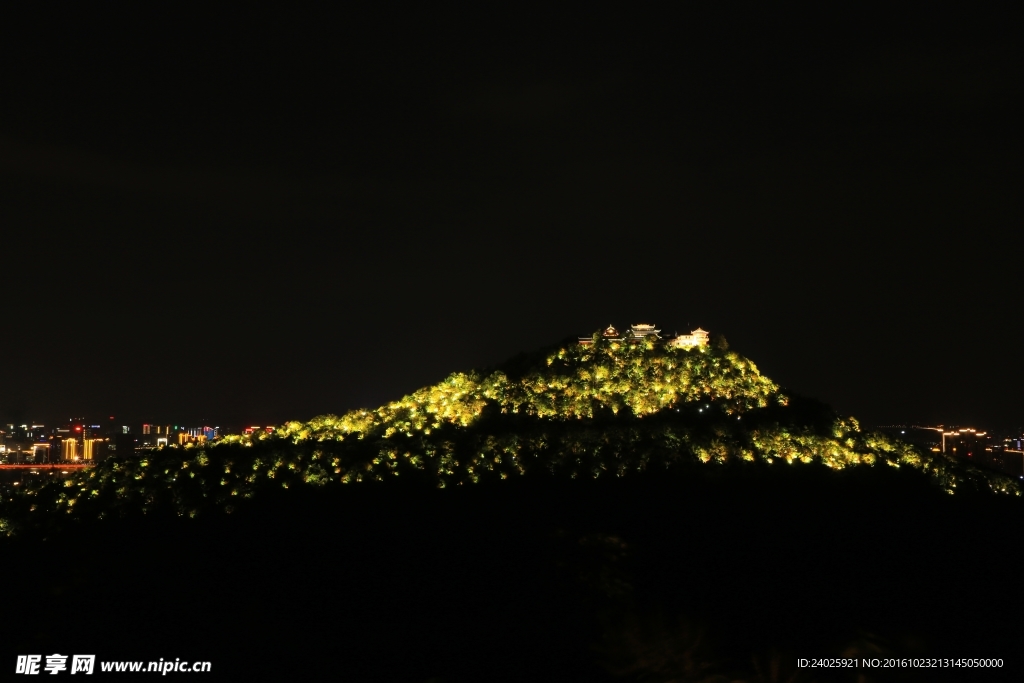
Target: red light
pixel 78 429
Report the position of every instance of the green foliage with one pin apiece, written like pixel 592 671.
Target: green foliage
pixel 644 378
pixel 573 382
pixel 601 410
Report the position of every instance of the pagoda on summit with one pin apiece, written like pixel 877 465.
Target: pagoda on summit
pixel 610 334
pixel 633 334
pixel 640 331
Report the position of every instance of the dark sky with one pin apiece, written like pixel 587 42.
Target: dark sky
pixel 238 218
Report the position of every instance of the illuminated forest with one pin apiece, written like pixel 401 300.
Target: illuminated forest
pixel 609 409
pixel 615 511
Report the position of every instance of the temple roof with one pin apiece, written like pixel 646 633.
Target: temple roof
pixel 644 330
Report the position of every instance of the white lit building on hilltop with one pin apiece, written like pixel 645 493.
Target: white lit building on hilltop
pixel 698 337
pixel 639 331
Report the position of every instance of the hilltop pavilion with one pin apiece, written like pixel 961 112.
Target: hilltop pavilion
pixel 641 331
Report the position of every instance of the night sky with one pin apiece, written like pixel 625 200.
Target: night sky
pixel 247 219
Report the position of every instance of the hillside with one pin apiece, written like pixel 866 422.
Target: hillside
pixel 601 513
pixel 605 410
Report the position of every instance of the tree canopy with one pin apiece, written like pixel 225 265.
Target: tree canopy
pixel 605 409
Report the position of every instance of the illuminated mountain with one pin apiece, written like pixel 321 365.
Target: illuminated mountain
pixel 606 409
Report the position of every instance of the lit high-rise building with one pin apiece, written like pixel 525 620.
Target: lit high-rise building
pixel 41 452
pixel 966 443
pixel 69 449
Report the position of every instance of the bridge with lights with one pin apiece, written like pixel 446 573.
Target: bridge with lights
pixel 54 466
